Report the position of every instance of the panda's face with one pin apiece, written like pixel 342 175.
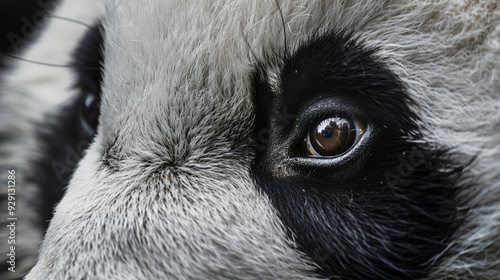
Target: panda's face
pixel 274 140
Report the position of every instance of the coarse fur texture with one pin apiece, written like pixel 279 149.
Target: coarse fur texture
pixel 196 167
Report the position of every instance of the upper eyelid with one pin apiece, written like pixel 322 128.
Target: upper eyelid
pixel 317 109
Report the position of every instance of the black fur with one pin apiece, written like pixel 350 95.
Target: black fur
pixel 65 140
pixel 88 59
pixel 389 210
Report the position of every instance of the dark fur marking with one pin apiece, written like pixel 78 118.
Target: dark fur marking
pixel 397 212
pixel 64 141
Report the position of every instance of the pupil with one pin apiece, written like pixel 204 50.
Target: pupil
pixel 327 132
pixel 332 136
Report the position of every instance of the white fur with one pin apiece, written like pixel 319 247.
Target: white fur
pixel 186 66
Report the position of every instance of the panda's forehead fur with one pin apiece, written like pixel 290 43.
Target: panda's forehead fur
pixel 177 183
pixel 206 61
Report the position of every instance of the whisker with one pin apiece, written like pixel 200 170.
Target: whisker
pixel 70 20
pixel 47 64
pixel 35 62
pixel 52 64
pixel 284 25
pixel 248 45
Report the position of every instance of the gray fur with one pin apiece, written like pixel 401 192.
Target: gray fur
pixel 176 200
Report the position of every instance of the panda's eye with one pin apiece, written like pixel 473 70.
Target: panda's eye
pixel 333 136
pixel 89 112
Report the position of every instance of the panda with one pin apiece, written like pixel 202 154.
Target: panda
pixel 274 139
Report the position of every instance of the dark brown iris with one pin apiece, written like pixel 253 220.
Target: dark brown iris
pixel 90 109
pixel 331 137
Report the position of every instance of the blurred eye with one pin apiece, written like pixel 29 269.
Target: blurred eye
pixel 333 137
pixel 89 112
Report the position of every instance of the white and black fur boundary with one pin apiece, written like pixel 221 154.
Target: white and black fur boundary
pixel 194 166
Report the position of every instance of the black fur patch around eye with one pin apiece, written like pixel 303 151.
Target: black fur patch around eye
pixel 61 134
pixel 397 213
pixel 88 59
